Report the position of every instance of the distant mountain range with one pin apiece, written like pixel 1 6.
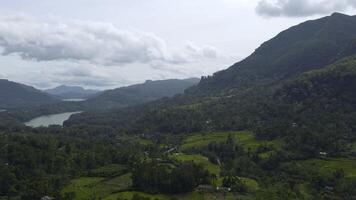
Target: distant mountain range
pixel 71 92
pixel 18 95
pixel 141 93
pixel 15 95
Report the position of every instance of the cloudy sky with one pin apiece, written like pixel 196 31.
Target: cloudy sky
pixel 110 43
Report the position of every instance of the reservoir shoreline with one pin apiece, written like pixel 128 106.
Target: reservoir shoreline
pixel 48 120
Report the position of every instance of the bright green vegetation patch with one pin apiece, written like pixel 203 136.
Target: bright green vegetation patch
pixel 214 169
pixel 81 187
pixel 328 166
pixel 211 196
pixel 97 187
pixel 129 195
pixel 108 171
pixel 251 184
pixel 353 147
pixel 245 138
pixel 144 141
pixel 200 160
pixel 203 161
pixel 187 196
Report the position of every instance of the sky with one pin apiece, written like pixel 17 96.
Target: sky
pixel 103 44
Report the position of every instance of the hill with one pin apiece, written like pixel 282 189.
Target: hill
pixel 313 49
pixel 18 95
pixel 290 134
pixel 317 110
pixel 71 92
pixel 307 46
pixel 141 93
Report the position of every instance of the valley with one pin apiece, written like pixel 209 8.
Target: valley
pixel 277 125
pixel 115 181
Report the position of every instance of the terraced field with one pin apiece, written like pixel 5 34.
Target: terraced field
pixel 245 138
pixel 328 166
pixel 97 187
pixel 112 182
pixel 201 160
pixel 130 194
pixel 213 168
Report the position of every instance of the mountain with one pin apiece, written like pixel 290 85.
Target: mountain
pixel 316 110
pixel 71 92
pixel 140 93
pixel 304 76
pixel 18 95
pixel 307 46
pixel 280 130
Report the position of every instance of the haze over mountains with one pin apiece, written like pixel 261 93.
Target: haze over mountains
pixel 71 92
pixel 141 93
pixel 16 95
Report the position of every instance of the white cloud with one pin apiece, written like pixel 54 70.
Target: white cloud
pixel 302 8
pixel 192 52
pixel 55 51
pixel 95 42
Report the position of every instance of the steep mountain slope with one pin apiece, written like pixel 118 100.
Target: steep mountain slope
pixel 18 95
pixel 317 110
pixel 71 92
pixel 140 93
pixel 310 45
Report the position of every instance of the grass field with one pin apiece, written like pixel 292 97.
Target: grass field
pixel 353 147
pixel 188 196
pixel 201 160
pixel 109 171
pixel 245 138
pixel 129 195
pixel 214 169
pixel 144 142
pixel 97 187
pixel 328 166
pixel 82 187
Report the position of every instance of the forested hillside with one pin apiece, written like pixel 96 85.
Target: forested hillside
pixel 318 110
pixel 297 89
pixel 140 93
pixel 18 95
pixel 310 45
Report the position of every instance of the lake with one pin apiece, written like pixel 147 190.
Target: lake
pixel 47 120
pixel 74 100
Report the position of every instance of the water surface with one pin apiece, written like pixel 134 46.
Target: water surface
pixel 74 100
pixel 47 120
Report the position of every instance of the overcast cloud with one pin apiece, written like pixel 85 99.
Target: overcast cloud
pixel 95 42
pixel 302 8
pixel 111 43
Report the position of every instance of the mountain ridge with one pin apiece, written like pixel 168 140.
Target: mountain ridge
pixel 71 92
pixel 141 93
pixel 19 95
pixel 310 45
